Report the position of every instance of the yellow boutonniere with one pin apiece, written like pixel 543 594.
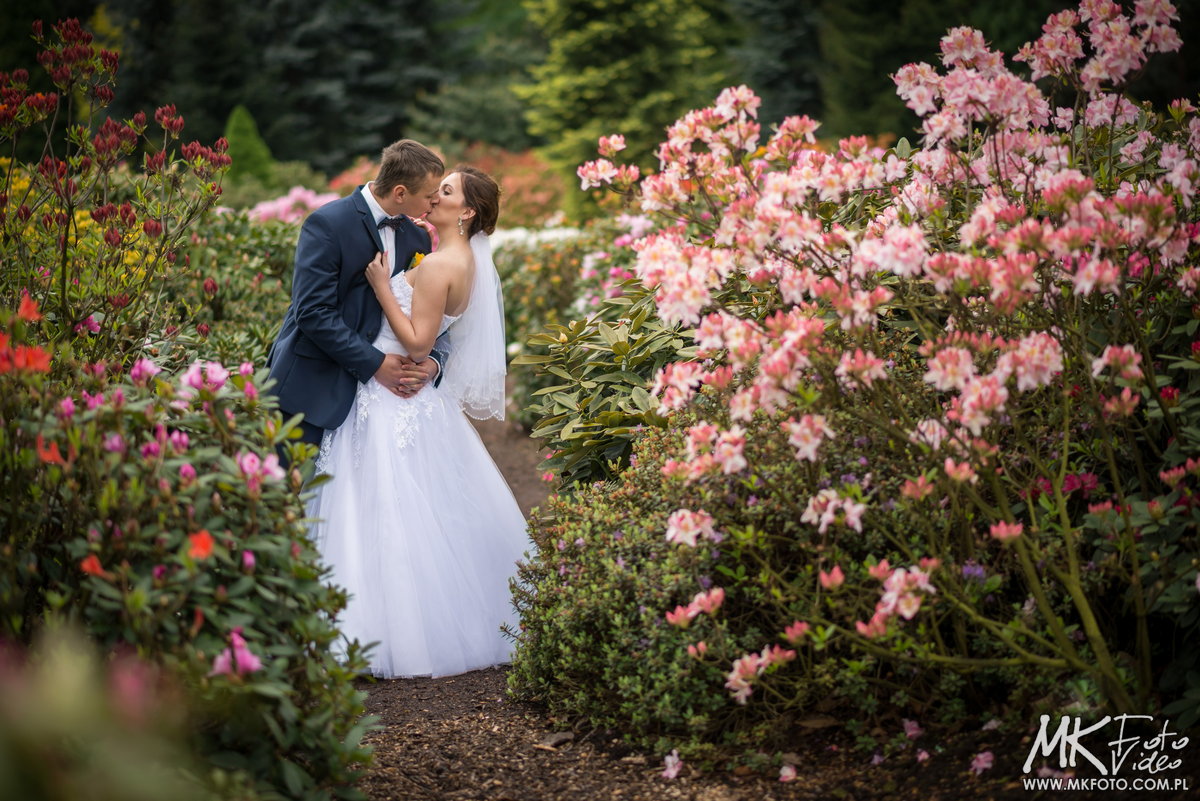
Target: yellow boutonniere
pixel 416 259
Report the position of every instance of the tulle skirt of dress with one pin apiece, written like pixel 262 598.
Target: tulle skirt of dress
pixel 421 528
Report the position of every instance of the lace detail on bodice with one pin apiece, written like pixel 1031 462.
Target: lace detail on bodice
pixel 399 416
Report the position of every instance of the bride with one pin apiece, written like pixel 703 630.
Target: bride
pixel 416 521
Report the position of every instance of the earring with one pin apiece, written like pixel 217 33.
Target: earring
pixel 460 230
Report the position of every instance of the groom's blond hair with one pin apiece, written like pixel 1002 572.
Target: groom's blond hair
pixel 409 163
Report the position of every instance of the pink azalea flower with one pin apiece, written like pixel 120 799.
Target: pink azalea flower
pixel 687 527
pixel 796 632
pixel 709 602
pixel 143 370
pixel 236 659
pixel 787 773
pixel 833 579
pixel 912 729
pixel 981 762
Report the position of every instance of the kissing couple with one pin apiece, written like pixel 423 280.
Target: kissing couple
pixel 386 347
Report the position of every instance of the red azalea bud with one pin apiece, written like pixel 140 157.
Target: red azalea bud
pixel 170 257
pixel 221 145
pixel 203 329
pixel 37 29
pixel 119 301
pixel 210 286
pixel 153 228
pixel 139 121
pixel 20 77
pixel 113 237
pixel 104 94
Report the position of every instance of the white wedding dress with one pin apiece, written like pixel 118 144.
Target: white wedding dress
pixel 419 525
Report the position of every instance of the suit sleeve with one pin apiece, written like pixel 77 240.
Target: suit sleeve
pixel 440 353
pixel 315 281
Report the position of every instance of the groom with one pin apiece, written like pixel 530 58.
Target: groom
pixel 324 348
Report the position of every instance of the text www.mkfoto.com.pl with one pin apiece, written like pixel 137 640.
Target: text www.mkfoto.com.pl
pixel 1141 783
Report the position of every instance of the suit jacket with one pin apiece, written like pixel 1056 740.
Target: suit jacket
pixel 324 350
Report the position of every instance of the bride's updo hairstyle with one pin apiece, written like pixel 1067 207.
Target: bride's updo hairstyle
pixel 482 193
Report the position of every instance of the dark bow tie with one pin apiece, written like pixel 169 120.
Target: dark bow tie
pixel 395 223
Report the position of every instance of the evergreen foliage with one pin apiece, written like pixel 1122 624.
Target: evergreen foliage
pixel 249 152
pixel 779 56
pixel 327 81
pixel 495 46
pixel 621 65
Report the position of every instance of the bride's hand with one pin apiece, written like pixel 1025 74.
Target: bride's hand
pixel 378 273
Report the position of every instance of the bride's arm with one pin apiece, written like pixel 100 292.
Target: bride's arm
pixel 430 290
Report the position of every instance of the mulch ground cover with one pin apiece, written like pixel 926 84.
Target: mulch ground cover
pixel 461 737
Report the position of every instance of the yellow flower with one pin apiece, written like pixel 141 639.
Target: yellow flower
pixel 416 259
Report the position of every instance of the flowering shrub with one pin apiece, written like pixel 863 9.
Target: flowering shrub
pixel 997 329
pixel 537 277
pixel 155 512
pixel 298 203
pixel 354 176
pixel 591 602
pixel 236 292
pixel 90 249
pixel 594 376
pixel 531 193
pixel 76 729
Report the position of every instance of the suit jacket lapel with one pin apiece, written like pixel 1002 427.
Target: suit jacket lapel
pixel 368 218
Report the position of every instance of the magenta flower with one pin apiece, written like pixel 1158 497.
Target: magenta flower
pixel 179 441
pixel 159 572
pixel 235 659
pixel 193 377
pixel 248 561
pixel 150 450
pixel 114 443
pixel 912 729
pixel 246 369
pixel 66 408
pixel 143 370
pixel 187 473
pixel 215 375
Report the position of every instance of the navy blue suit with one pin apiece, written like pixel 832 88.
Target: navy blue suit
pixel 324 349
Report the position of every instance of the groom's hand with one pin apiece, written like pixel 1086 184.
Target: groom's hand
pixel 415 375
pixel 404 377
pixel 395 374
